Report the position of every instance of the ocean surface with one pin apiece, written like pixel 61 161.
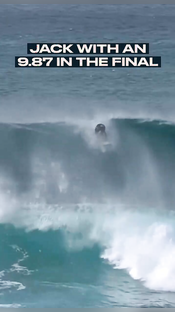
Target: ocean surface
pixel 80 226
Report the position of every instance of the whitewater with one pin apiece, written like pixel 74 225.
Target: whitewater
pixel 62 197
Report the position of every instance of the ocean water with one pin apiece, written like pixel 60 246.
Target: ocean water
pixel 80 227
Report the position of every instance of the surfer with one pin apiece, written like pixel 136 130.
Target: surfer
pixel 100 131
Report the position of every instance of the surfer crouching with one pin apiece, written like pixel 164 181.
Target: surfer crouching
pixel 100 131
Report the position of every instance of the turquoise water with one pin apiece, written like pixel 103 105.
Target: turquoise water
pixel 80 227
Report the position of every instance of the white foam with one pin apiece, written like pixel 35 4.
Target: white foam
pixel 142 242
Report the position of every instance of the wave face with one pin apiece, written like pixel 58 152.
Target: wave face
pixel 63 163
pixel 67 206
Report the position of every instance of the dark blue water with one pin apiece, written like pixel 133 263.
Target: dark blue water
pixel 81 226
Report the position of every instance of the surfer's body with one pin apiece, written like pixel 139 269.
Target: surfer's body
pixel 100 131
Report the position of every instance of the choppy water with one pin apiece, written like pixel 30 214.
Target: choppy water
pixel 80 227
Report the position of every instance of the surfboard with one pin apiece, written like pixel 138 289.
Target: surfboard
pixel 107 143
pixel 106 146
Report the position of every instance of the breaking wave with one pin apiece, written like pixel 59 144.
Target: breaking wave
pixel 58 186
